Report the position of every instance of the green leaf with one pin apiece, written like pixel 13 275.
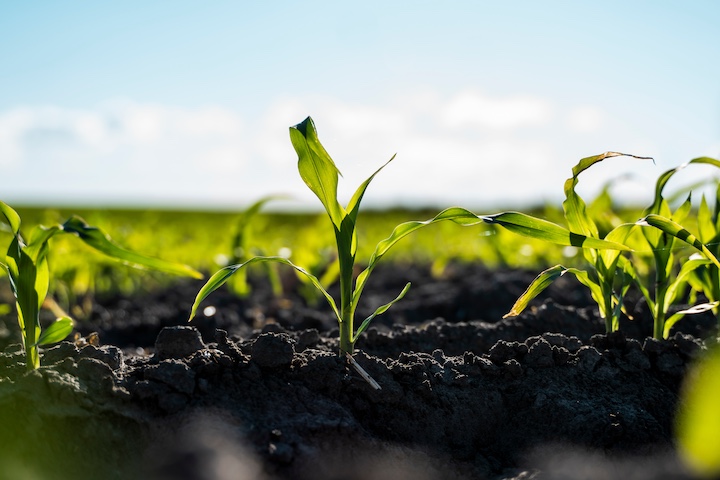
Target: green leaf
pixel 678 231
pixel 540 229
pixel 681 280
pixel 100 241
pixel 665 177
pixel 594 287
pixel 56 332
pixel 379 311
pixel 241 244
pixel 536 287
pixel 353 206
pixel 575 210
pixel 317 169
pixel 11 217
pixel 37 248
pixel 617 235
pixel 222 276
pixel 683 210
pixel 243 224
pixel 698 419
pixel 701 308
pixel 457 215
pixel 588 162
pixel 706 225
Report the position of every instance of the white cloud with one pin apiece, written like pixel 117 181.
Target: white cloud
pixel 138 133
pixel 473 109
pixel 464 147
pixel 585 119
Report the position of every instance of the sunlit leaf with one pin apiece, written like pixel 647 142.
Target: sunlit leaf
pixel 11 217
pixel 681 279
pixel 379 311
pixel 316 168
pixel 222 276
pixel 102 242
pixel 540 229
pixel 56 331
pixel 706 225
pixel 454 214
pixel 536 287
pixel 678 231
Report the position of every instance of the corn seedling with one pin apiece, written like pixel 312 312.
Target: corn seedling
pixel 242 250
pixel 662 239
pixel 320 174
pixel 27 266
pixel 608 276
pixel 673 229
pixel 706 278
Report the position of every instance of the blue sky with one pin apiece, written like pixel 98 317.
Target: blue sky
pixel 485 103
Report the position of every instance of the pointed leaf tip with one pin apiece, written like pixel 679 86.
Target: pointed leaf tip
pixel 303 126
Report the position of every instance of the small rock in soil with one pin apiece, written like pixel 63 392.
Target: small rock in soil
pixel 174 374
pixel 178 342
pixel 272 350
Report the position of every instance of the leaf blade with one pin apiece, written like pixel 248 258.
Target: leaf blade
pixel 540 229
pixel 99 240
pixel 317 169
pixel 222 276
pixel 56 331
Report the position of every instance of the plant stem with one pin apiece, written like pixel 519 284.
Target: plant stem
pixel 608 309
pixel 32 358
pixel 347 313
pixel 659 316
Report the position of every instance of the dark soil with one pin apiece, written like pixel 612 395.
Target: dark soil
pixel 255 389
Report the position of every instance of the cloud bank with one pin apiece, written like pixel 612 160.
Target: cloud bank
pixel 468 148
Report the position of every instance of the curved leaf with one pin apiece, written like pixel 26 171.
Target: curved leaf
pixel 540 229
pixel 56 331
pixel 677 316
pixel 317 169
pixel 678 231
pixel 617 235
pixel 536 287
pixel 242 226
pixel 595 289
pixel 222 276
pixel 11 217
pixel 37 248
pixel 574 206
pixel 665 177
pixel 100 241
pixel 353 206
pixel 681 280
pixel 379 311
pixel 455 214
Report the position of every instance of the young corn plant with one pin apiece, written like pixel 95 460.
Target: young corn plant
pixel 668 288
pixel 242 246
pixel 609 274
pixel 706 278
pixel 320 174
pixel 26 264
